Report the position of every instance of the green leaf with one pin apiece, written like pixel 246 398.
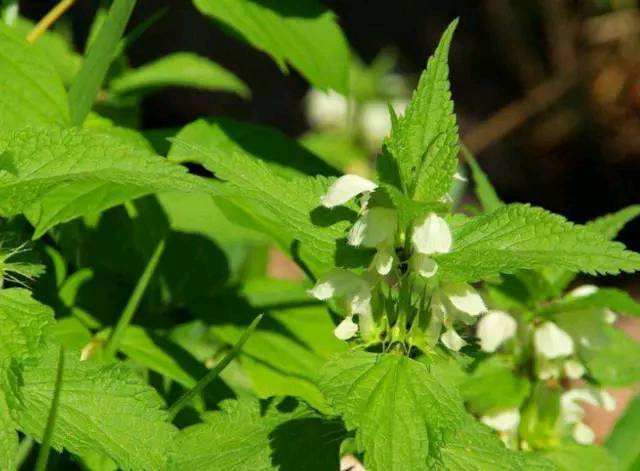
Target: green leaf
pixel 624 440
pixel 180 69
pixel 485 192
pixel 104 409
pixel 245 434
pixel 570 457
pixel 286 209
pixel 337 149
pixel 284 156
pixel 100 54
pixel 55 175
pixel 301 32
pixel 518 236
pixel 407 419
pixel 493 387
pixel 30 90
pixel 8 437
pixel 605 298
pixel 424 141
pixel 611 224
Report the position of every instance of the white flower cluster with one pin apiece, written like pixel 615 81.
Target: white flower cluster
pixel 377 228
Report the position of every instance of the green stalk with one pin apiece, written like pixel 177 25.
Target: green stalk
pixel 134 301
pixel 188 396
pixel 24 450
pixel 43 453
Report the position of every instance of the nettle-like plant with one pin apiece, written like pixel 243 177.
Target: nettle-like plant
pixel 156 340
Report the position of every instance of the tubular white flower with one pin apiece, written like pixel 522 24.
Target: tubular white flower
pixel 424 265
pixel 465 298
pixel 338 283
pixel 377 225
pixel 503 421
pixel 552 342
pixel 582 291
pixel 494 329
pixel 452 340
pixel 609 316
pixel 574 369
pixel 583 434
pixel 432 236
pixel 345 188
pixel 548 370
pixel 346 329
pixel 326 110
pixel 383 260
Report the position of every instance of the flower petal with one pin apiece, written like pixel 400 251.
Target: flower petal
pixel 345 188
pixel 346 329
pixel 383 260
pixel 552 342
pixel 432 235
pixel 374 227
pixel 465 298
pixel 583 434
pixel 574 369
pixel 452 340
pixel 424 265
pixel 494 329
pixel 582 291
pixel 503 421
pixel 337 283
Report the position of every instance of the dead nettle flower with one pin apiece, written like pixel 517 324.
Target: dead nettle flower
pixel 494 329
pixel 555 353
pixel 572 413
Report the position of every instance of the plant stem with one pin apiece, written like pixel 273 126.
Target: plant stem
pixel 50 18
pixel 186 398
pixel 132 305
pixel 23 451
pixel 43 453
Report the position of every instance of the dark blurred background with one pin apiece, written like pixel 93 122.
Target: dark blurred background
pixel 547 91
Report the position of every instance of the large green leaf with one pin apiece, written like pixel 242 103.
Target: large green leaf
pixel 570 457
pixel 518 236
pixel 100 54
pixel 405 418
pixel 424 141
pixel 181 69
pixel 30 90
pixel 104 409
pixel 286 209
pixel 624 440
pixel 243 435
pixel 301 32
pixel 55 175
pixel 8 437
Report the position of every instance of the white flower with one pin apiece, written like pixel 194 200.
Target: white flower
pixel 424 265
pixel 503 421
pixel 432 235
pixel 494 329
pixel 383 259
pixel 375 122
pixel 377 225
pixel 609 316
pixel 452 340
pixel 583 434
pixel 548 370
pixel 464 298
pixel 574 369
pixel 346 329
pixel 572 412
pixel 552 342
pixel 326 110
pixel 582 291
pixel 345 188
pixel 458 176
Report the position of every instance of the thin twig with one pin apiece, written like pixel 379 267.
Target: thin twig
pixel 50 18
pixel 188 396
pixel 516 113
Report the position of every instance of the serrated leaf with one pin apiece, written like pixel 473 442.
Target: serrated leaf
pixel 519 236
pixel 301 32
pixel 287 209
pixel 624 441
pixel 485 192
pixel 55 175
pixel 605 298
pixel 104 409
pixel 180 69
pixel 100 54
pixel 570 457
pixel 287 435
pixel 30 90
pixel 407 419
pixel 424 141
pixel 8 437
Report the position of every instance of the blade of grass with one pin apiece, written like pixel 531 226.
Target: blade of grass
pixel 43 453
pixel 24 450
pixel 45 23
pixel 101 53
pixel 132 305
pixel 140 29
pixel 188 396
